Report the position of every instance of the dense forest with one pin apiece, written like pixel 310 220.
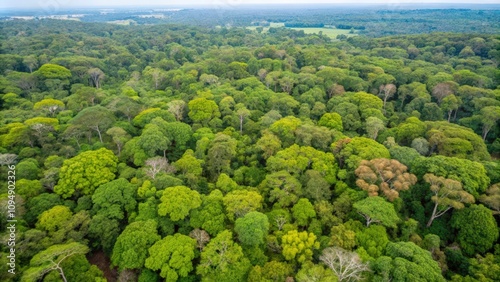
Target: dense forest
pixel 183 153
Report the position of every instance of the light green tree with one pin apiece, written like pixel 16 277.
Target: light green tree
pixel 377 210
pixel 178 201
pixel 298 246
pixel 173 256
pixel 223 260
pixel 85 172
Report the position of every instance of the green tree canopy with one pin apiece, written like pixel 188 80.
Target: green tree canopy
pixel 85 172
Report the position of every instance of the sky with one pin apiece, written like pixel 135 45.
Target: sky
pixel 67 4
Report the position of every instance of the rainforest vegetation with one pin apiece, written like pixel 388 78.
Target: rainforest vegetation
pixel 187 153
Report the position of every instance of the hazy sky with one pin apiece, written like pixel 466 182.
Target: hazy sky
pixel 63 4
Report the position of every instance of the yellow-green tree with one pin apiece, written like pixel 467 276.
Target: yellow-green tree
pixel 85 172
pixel 298 246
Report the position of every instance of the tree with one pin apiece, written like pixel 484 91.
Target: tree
pixel 223 260
pixel 269 144
pixel 201 236
pixel 302 212
pixel 405 261
pixel 471 174
pixel 376 209
pixel 332 121
pixel 178 201
pixel 373 126
pixel 54 218
pixel 53 71
pixel 173 256
pixel 271 271
pixel 477 229
pixel 96 75
pixel 131 247
pixel 210 216
pixel 342 237
pixel 115 199
pixel 449 104
pixel 489 117
pixel 448 194
pixel 252 228
pixel 177 108
pixel 346 265
pixel 96 118
pixel 51 259
pixel 50 105
pixel 385 175
pixel 7 159
pixel 443 89
pixel 242 112
pixel 492 198
pixel 120 137
pixel 371 242
pixel 315 272
pixel 222 150
pixel 202 110
pixel 240 202
pixel 85 172
pixel 298 246
pixel 352 151
pixel 153 140
pixel 156 165
pixel 31 62
pixel 387 91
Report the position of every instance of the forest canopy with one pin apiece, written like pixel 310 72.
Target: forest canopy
pixel 187 153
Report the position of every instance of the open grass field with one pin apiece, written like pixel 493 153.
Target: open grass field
pixel 331 32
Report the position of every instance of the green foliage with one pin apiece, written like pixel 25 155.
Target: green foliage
pixel 303 212
pixel 53 71
pixel 298 246
pixel 240 202
pixel 405 261
pixel 231 135
pixel 252 228
pixel 202 110
pixel 477 229
pixel 210 216
pixel 84 173
pixel 332 121
pixel 130 250
pixel 472 174
pixel 377 210
pixel 372 241
pixel 178 201
pixel 223 260
pixel 51 259
pixel 173 256
pixel 114 199
pixel 360 148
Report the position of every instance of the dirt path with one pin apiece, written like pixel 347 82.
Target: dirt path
pixel 103 263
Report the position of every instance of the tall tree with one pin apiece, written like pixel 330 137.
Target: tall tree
pixel 85 172
pixel 178 201
pixel 51 259
pixel 384 175
pixel 131 247
pixel 173 256
pixel 223 260
pixel 96 118
pixel 96 75
pixel 346 265
pixel 377 210
pixel 447 194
